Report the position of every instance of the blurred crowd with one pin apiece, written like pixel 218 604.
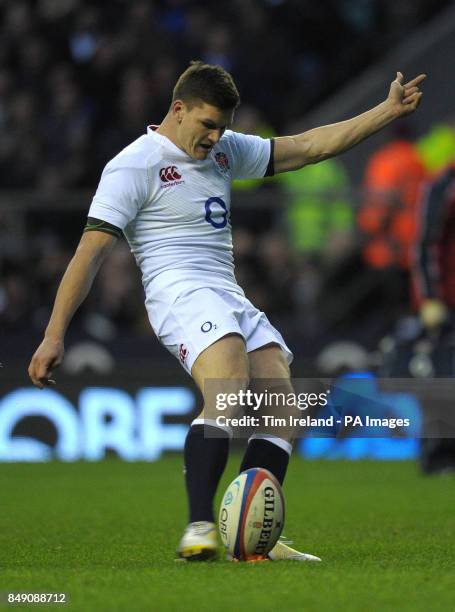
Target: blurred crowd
pixel 80 79
pixel 325 259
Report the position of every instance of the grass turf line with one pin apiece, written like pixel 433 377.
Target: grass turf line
pixel 106 532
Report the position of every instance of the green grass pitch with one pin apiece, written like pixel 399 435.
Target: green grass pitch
pixel 105 533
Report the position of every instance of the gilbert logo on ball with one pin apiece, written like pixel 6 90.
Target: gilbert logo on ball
pixel 252 514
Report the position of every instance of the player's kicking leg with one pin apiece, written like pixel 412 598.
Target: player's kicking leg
pixel 205 456
pixel 269 448
pixel 207 445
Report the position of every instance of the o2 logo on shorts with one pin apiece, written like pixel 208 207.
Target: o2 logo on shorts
pixel 207 326
pixel 212 209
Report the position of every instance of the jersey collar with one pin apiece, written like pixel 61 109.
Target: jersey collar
pixel 151 131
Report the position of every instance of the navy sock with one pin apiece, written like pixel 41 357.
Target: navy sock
pixel 265 454
pixel 205 460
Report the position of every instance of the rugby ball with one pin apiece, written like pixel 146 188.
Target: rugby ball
pixel 251 516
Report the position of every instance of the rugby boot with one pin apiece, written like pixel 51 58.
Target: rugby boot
pixel 282 552
pixel 199 542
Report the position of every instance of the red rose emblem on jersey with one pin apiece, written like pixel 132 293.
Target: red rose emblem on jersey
pixel 222 160
pixel 183 353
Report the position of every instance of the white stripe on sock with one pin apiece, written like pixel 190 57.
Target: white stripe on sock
pixel 213 423
pixel 283 444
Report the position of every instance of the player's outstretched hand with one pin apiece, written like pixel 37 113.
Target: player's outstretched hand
pixel 405 98
pixel 48 355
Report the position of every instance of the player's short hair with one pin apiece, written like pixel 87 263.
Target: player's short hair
pixel 210 83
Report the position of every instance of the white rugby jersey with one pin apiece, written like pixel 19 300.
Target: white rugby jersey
pixel 175 211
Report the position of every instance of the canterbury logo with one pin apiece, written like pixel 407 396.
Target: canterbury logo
pixel 170 173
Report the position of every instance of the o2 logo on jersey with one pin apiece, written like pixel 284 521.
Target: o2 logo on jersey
pixel 216 213
pixel 171 176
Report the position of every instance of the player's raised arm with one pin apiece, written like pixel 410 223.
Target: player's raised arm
pixel 294 152
pixel 73 289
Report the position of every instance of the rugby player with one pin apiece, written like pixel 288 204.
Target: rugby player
pixel 168 192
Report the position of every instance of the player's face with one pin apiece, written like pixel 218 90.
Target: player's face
pixel 201 127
